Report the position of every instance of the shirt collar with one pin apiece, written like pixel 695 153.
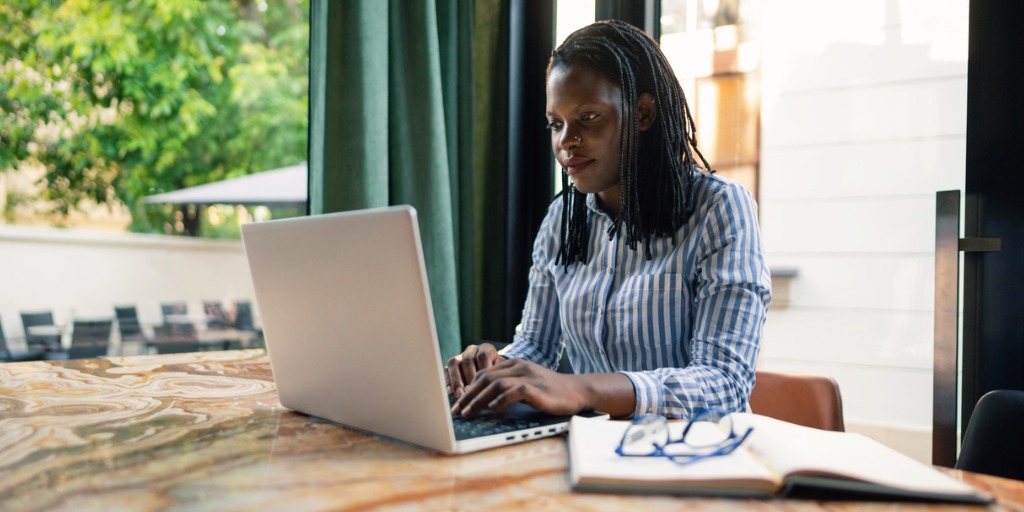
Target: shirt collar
pixel 594 207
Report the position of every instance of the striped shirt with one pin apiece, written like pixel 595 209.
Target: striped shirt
pixel 684 326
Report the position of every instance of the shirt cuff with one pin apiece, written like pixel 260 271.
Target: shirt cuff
pixel 649 398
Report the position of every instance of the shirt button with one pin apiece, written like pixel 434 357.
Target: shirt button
pixel 609 270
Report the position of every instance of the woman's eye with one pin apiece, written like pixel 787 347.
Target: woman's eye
pixel 588 117
pixel 554 125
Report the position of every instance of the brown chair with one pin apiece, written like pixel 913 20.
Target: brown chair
pixel 805 399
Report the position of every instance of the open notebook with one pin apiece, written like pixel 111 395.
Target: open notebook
pixel 778 459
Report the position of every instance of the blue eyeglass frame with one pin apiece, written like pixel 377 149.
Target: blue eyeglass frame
pixel 727 446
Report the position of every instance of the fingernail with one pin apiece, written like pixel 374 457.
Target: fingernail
pixel 459 392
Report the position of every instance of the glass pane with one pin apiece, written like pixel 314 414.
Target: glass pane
pixel 106 104
pixel 855 114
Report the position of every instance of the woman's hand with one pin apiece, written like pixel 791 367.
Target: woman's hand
pixel 505 382
pixel 461 369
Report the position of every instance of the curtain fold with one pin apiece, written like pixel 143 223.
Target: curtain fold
pixel 408 106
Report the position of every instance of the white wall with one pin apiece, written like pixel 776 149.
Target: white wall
pixel 863 120
pixel 85 274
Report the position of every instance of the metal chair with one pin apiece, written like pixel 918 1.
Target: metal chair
pixel 993 443
pixel 805 399
pixel 37 319
pixel 172 338
pixel 217 317
pixel 171 309
pixel 128 324
pixel 221 322
pixel 9 355
pixel 244 323
pixel 89 338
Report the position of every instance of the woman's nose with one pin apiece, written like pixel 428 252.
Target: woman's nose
pixel 571 139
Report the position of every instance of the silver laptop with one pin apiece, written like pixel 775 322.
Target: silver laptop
pixel 350 333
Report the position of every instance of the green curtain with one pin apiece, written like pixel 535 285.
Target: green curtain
pixel 404 110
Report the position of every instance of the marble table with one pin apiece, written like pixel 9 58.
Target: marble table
pixel 205 431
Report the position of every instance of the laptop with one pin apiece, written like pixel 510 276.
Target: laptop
pixel 349 329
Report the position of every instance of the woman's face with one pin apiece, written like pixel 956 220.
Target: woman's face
pixel 584 111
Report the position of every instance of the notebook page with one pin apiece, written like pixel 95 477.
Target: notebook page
pixel 796 450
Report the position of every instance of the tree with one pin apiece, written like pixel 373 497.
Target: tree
pixel 120 100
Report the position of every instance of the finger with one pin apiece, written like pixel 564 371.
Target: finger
pixel 486 386
pixel 514 393
pixel 453 376
pixel 486 356
pixel 467 365
pixel 496 395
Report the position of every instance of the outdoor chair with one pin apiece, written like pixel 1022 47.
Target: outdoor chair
pixel 172 309
pixel 243 316
pixel 221 322
pixel 217 317
pixel 8 354
pixel 244 323
pixel 128 324
pixel 175 338
pixel 805 399
pixel 89 338
pixel 39 319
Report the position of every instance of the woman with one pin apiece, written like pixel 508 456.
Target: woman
pixel 648 269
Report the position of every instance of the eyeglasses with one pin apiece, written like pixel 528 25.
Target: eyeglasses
pixel 648 436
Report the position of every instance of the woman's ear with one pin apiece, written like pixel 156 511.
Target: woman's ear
pixel 646 111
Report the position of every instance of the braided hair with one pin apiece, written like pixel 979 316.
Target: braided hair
pixel 660 203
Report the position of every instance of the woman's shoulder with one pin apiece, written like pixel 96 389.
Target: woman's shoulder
pixel 712 187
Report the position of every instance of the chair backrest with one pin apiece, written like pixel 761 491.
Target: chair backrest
pixel 216 316
pixel 243 316
pixel 176 347
pixel 128 322
pixel 175 337
pixel 91 332
pixel 175 332
pixel 994 441
pixel 36 318
pixel 173 308
pixel 805 399
pixel 90 338
pixel 33 319
pixel 4 355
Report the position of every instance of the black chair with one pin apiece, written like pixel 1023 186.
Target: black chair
pixel 9 355
pixel 128 324
pixel 994 442
pixel 170 309
pixel 172 338
pixel 244 323
pixel 220 325
pixel 89 338
pixel 217 318
pixel 243 316
pixel 36 319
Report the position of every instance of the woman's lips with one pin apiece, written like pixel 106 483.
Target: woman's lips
pixel 576 165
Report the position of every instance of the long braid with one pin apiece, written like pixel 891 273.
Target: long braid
pixel 662 199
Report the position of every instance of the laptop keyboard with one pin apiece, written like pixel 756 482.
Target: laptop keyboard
pixel 466 428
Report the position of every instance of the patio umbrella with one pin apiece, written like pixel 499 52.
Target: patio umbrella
pixel 285 187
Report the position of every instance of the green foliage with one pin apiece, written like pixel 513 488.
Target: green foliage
pixel 120 100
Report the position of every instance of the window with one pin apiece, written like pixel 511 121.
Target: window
pixel 103 104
